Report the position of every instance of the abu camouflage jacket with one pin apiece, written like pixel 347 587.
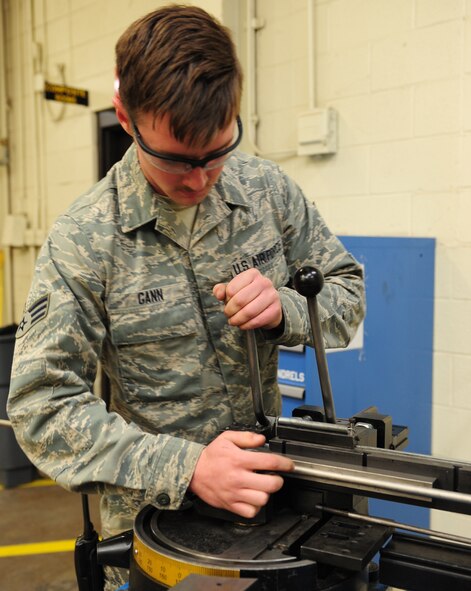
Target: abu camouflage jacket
pixel 120 282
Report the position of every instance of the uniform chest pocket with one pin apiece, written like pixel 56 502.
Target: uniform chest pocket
pixel 145 324
pixel 156 346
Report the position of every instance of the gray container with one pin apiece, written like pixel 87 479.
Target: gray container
pixel 15 468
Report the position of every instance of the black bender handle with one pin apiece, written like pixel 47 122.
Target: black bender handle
pixel 309 281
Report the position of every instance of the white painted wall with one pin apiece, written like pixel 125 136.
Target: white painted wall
pixel 398 72
pixel 399 75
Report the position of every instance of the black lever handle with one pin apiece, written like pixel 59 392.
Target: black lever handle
pixel 309 281
pixel 255 381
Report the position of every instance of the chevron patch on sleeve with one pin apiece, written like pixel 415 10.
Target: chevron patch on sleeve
pixel 34 314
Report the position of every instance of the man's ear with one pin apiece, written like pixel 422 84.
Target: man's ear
pixel 121 112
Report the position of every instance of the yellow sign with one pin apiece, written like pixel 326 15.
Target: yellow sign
pixel 65 94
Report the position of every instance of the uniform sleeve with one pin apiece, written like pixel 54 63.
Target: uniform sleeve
pixel 308 241
pixel 64 429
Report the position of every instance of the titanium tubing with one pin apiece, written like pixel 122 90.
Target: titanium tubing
pixel 376 484
pixel 458 540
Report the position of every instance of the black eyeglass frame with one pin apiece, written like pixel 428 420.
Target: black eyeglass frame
pixel 194 163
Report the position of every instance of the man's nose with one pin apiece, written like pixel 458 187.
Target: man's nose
pixel 196 179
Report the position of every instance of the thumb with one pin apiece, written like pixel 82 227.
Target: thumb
pixel 219 291
pixel 245 439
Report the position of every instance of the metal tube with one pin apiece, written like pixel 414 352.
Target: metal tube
pixel 459 540
pixel 377 483
pixel 255 382
pixel 395 454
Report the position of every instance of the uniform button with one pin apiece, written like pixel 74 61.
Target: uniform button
pixel 163 499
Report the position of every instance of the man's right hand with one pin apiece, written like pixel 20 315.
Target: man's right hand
pixel 227 474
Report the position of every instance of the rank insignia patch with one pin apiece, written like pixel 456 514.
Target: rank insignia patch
pixel 36 312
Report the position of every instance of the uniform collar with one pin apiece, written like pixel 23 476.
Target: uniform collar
pixel 137 200
pixel 139 204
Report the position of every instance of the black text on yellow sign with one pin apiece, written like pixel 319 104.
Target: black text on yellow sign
pixel 65 94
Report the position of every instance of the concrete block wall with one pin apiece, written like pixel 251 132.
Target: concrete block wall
pixel 53 146
pixel 399 76
pixel 398 73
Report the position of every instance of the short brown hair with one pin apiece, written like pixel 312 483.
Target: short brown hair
pixel 181 62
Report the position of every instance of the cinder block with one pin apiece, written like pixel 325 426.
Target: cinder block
pixel 436 215
pixel 443 379
pixel 348 27
pixel 464 173
pixel 428 164
pixel 58 36
pixel 415 56
pixel 437 107
pixel 388 215
pixel 460 263
pixel 461 382
pixel 462 228
pixel 390 115
pixel 453 326
pixel 467 40
pixel 387 18
pixel 89 22
pixel 343 74
pixel 344 174
pixel 435 11
pixel 449 425
pixel 467 100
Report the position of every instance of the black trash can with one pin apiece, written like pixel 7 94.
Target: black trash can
pixel 15 468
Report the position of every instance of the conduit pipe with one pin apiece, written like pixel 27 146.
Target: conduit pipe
pixel 311 54
pixel 37 64
pixel 254 24
pixel 251 72
pixel 5 178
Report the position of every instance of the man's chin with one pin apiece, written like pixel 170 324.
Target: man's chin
pixel 189 197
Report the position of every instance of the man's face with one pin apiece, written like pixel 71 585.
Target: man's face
pixel 183 189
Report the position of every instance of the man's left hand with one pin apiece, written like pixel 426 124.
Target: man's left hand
pixel 251 301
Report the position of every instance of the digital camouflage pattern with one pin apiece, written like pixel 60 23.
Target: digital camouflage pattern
pixel 120 281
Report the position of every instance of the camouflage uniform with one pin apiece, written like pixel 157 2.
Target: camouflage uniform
pixel 117 283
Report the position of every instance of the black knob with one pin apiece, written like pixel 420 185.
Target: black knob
pixel 308 281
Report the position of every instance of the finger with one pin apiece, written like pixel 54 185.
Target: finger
pixel 247 304
pixel 241 281
pixel 219 291
pixel 246 295
pixel 266 484
pixel 256 498
pixel 244 510
pixel 268 462
pixel 258 314
pixel 244 439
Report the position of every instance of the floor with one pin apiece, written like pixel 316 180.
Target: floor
pixel 40 513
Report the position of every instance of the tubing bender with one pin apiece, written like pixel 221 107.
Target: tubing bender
pixel 315 534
